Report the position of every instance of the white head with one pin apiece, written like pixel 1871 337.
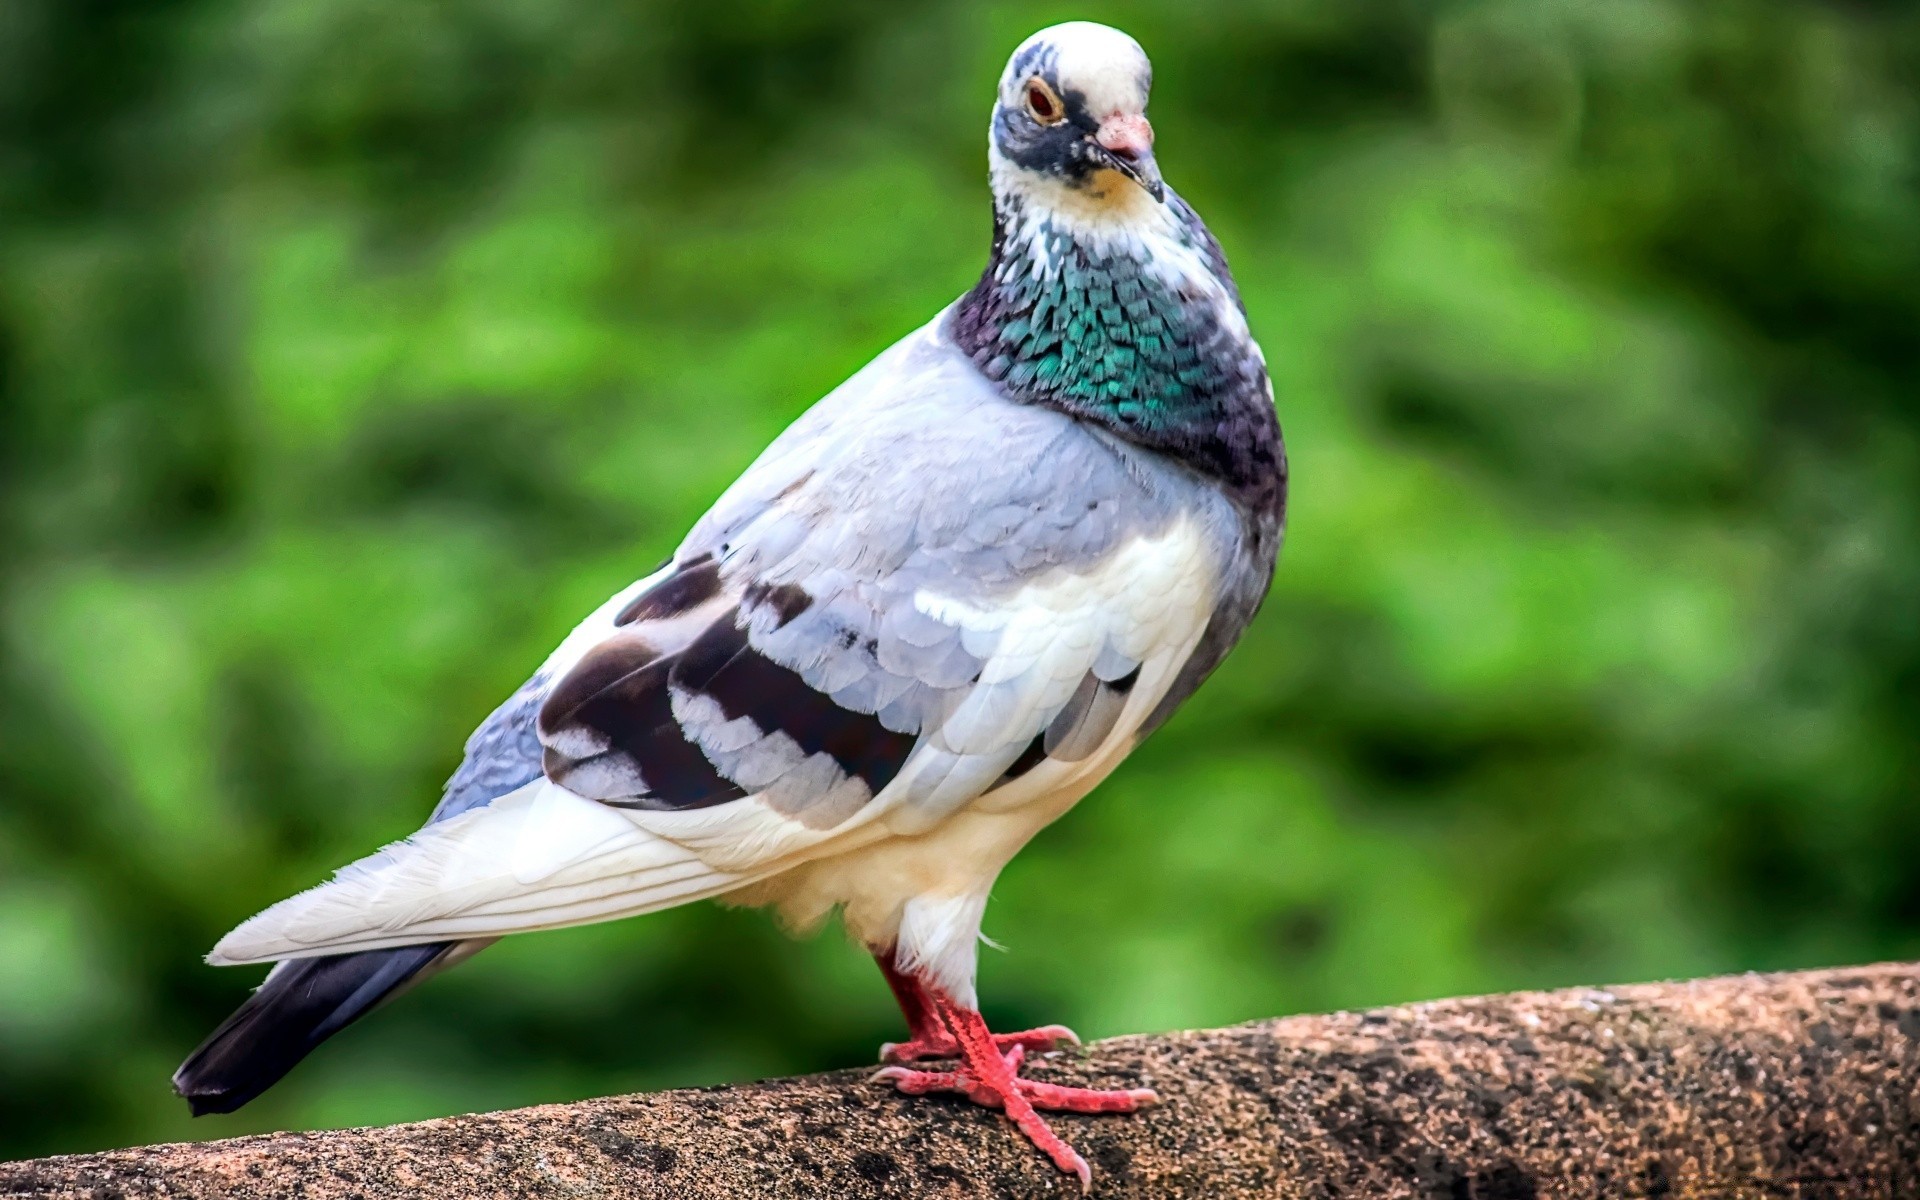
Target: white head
pixel 1070 127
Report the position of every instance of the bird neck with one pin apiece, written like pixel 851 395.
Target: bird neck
pixel 1126 321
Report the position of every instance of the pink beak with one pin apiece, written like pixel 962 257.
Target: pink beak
pixel 1127 135
pixel 1128 141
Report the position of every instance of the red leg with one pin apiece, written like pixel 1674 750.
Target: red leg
pixel 989 1076
pixel 927 1035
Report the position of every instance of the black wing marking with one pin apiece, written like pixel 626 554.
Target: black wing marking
pixel 610 734
pixel 723 665
pixel 695 582
pixel 637 725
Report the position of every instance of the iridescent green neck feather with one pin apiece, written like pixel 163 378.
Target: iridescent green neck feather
pixel 1140 333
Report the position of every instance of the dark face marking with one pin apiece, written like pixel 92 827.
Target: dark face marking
pixel 1065 150
pixel 696 582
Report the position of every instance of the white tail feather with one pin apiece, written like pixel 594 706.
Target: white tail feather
pixel 538 858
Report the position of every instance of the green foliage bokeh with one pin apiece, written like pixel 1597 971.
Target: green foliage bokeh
pixel 350 351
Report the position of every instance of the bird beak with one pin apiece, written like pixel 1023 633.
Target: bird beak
pixel 1126 143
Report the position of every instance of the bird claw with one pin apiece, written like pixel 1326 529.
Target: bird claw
pixel 942 1045
pixel 1051 1097
pixel 988 1070
pixel 1043 1096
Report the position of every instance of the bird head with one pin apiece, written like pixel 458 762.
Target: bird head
pixel 1070 125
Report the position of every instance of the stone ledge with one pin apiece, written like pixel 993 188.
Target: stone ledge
pixel 1786 1087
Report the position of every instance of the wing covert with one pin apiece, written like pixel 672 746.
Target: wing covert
pixel 897 609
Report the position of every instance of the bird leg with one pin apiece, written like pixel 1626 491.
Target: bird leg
pixel 927 1035
pixel 989 1076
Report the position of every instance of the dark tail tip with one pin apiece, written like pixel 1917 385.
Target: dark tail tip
pixel 302 1003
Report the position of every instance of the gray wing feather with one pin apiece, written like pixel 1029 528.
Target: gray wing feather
pixel 502 755
pixel 917 478
pixel 869 582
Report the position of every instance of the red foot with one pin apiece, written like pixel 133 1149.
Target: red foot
pixel 1049 1096
pixel 988 1079
pixel 989 1066
pixel 938 1043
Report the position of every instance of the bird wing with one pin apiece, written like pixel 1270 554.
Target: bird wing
pixel 918 595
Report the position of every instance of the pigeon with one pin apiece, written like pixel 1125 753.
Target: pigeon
pixel 937 611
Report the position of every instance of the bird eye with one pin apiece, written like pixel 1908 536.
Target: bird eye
pixel 1043 104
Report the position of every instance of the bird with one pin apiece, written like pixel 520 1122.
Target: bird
pixel 937 610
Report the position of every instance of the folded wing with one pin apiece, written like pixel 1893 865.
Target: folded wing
pixel 851 646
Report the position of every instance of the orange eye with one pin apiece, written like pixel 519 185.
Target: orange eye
pixel 1043 104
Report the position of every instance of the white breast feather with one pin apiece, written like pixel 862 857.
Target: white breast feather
pixel 1042 641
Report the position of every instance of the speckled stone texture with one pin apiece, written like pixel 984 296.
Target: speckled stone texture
pixel 1783 1087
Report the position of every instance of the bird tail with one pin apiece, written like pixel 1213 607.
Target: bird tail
pixel 301 1004
pixel 539 857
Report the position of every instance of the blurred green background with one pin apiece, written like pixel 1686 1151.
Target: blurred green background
pixel 351 350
